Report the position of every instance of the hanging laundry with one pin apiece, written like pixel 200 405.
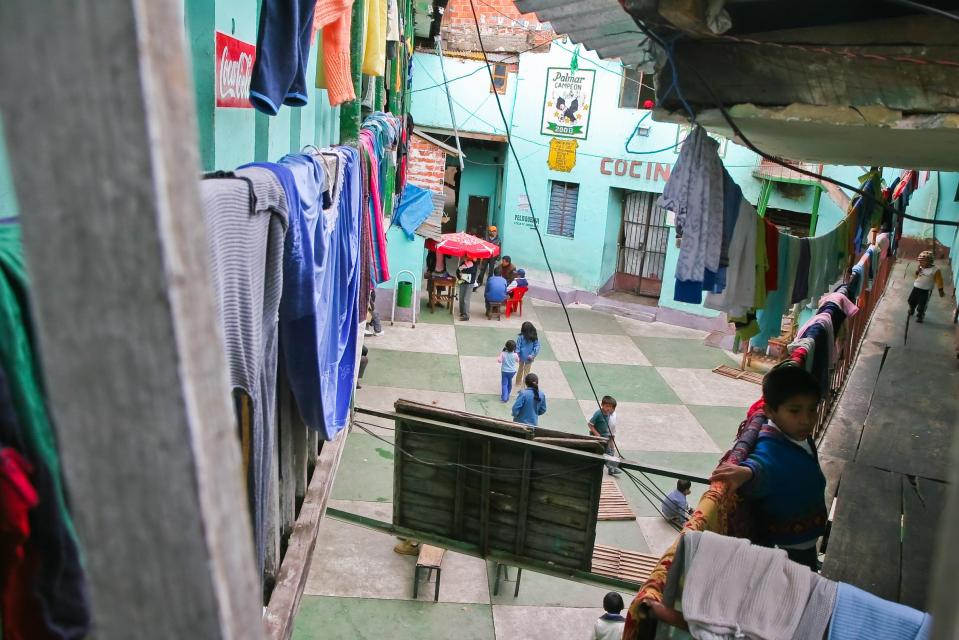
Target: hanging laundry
pixel 860 615
pixel 735 588
pixel 332 20
pixel 246 256
pixel 337 279
pixel 416 205
pixel 740 292
pixel 393 27
pixel 695 189
pixel 374 51
pixel 282 55
pixel 801 284
pixel 22 618
pixel 58 580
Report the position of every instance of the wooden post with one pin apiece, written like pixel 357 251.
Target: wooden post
pixel 102 134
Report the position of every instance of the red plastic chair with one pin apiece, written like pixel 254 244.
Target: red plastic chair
pixel 515 301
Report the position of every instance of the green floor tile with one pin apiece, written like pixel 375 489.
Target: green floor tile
pixel 721 423
pixel 489 341
pixel 438 316
pixel 624 534
pixel 561 414
pixel 369 619
pixel 366 470
pixel 682 353
pixel 412 370
pixel 540 590
pixel 584 321
pixel 626 383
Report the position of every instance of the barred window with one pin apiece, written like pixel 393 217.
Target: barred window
pixel 562 208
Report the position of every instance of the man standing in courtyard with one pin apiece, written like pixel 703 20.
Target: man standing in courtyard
pixel 487 267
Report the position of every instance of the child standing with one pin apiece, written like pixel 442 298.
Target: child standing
pixel 464 277
pixel 530 402
pixel 509 361
pixel 927 276
pixel 599 426
pixel 610 625
pixel 782 476
pixel 527 346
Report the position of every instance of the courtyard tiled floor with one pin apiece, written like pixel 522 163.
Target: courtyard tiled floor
pixel 673 413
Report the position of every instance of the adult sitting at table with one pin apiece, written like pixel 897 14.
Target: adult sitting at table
pixel 507 269
pixel 495 292
pixel 519 282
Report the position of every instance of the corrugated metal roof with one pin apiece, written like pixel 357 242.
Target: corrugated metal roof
pixel 431 227
pixel 600 25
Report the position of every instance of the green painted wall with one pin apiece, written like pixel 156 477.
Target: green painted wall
pixel 230 137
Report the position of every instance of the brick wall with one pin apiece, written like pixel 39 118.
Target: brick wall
pixel 503 27
pixel 427 164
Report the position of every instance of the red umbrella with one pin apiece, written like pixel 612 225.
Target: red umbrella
pixel 463 245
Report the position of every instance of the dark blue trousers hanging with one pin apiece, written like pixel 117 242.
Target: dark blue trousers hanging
pixel 282 55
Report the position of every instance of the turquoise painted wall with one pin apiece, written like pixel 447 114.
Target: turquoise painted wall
pixel 614 217
pixel 230 137
pixel 473 103
pixel 8 197
pixel 404 253
pixel 480 178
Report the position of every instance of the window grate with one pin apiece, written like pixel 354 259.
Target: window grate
pixel 563 197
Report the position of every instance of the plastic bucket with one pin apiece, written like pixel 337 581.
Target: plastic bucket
pixel 404 294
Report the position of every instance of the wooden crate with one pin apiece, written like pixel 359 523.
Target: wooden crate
pixel 490 484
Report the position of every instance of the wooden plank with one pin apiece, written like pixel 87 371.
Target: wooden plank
pixel 585 445
pixel 523 511
pixel 116 251
pixel 623 563
pixel 893 438
pixel 430 556
pixel 864 545
pixel 593 510
pixel 459 498
pixel 274 525
pixel 291 579
pixel 300 453
pixel 284 469
pixel 844 428
pixel 923 503
pixel 485 508
pixel 613 504
pixel 739 374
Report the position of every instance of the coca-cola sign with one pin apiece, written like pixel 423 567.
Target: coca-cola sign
pixel 234 68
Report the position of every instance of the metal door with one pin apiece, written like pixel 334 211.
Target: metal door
pixel 642 241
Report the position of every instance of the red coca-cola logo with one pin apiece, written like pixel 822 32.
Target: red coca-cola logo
pixel 234 69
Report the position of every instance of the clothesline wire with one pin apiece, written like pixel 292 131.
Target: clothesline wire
pixel 648 494
pixel 752 147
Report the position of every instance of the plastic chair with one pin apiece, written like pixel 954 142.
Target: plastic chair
pixel 515 301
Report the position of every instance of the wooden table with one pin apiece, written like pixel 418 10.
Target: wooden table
pixel 441 291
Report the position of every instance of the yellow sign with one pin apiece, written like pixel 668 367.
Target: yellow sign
pixel 562 154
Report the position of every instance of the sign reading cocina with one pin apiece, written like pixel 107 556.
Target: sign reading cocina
pixel 566 104
pixel 234 69
pixel 652 171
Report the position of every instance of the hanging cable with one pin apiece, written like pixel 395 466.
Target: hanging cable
pixel 926 9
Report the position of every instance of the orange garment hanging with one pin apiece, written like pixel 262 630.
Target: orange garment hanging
pixel 332 18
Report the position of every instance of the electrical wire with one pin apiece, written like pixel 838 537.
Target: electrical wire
pixel 925 8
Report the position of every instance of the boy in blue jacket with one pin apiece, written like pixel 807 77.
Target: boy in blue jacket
pixel 782 476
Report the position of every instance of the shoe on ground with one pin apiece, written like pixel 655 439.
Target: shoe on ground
pixel 377 333
pixel 614 472
pixel 919 319
pixel 475 287
pixel 407 548
pixel 359 386
pixel 368 332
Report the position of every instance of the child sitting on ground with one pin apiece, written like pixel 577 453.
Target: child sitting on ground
pixel 610 625
pixel 674 507
pixel 782 476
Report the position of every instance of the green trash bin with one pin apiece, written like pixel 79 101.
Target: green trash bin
pixel 404 294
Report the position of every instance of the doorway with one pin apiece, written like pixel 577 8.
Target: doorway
pixel 642 243
pixel 477 215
